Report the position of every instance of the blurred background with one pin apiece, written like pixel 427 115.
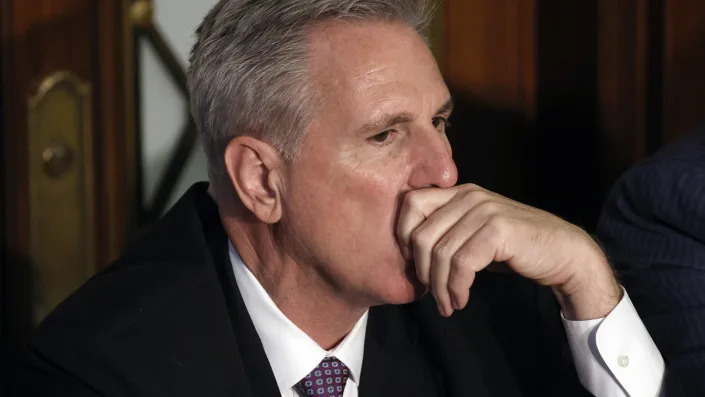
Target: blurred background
pixel 554 99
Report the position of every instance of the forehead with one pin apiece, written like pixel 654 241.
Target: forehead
pixel 373 61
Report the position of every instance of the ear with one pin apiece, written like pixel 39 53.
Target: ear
pixel 254 168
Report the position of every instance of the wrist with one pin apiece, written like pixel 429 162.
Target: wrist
pixel 591 293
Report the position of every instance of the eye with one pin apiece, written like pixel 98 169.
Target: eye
pixel 382 137
pixel 440 121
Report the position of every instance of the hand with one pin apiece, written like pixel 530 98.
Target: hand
pixel 453 233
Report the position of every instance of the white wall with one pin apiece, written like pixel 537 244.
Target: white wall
pixel 164 109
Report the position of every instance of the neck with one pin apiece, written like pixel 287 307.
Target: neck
pixel 297 288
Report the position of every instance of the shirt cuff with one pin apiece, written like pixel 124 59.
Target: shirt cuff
pixel 615 355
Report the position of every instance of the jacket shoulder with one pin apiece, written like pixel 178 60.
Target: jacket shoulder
pixel 158 313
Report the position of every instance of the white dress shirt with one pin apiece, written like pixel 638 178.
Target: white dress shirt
pixel 614 356
pixel 292 354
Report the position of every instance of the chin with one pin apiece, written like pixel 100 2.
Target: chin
pixel 403 288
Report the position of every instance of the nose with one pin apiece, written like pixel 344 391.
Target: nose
pixel 433 163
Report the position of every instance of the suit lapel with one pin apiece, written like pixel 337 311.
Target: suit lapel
pixel 189 344
pixel 258 372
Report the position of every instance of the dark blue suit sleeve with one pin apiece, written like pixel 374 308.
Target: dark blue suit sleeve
pixel 653 229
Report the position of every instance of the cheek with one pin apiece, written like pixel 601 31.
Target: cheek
pixel 347 222
pixel 350 208
pixel 375 191
pixel 371 207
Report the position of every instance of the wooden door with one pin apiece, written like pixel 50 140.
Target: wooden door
pixel 66 150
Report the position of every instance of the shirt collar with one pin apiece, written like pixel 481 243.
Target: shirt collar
pixel 292 354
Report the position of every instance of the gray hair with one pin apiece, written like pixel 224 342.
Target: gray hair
pixel 248 69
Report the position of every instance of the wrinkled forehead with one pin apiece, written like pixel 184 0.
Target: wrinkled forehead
pixel 362 60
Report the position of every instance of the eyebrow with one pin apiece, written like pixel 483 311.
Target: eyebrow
pixel 389 119
pixel 446 107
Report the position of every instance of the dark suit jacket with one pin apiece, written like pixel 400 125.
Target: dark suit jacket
pixel 653 229
pixel 167 320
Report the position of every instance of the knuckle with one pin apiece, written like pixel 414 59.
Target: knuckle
pixel 471 190
pixel 488 208
pixel 420 237
pixel 472 186
pixel 475 195
pixel 440 252
pixel 460 270
pixel 458 260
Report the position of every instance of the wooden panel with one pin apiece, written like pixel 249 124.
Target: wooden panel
pixel 683 66
pixel 489 51
pixel 622 82
pixel 114 130
pixel 5 333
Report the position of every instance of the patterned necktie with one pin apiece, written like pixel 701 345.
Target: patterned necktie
pixel 326 380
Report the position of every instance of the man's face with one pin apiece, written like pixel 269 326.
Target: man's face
pixel 379 132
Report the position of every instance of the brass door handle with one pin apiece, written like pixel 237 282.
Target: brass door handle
pixel 57 160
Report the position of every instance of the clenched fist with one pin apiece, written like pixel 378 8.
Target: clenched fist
pixel 453 233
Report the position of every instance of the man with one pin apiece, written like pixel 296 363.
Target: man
pixel 653 228
pixel 334 210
